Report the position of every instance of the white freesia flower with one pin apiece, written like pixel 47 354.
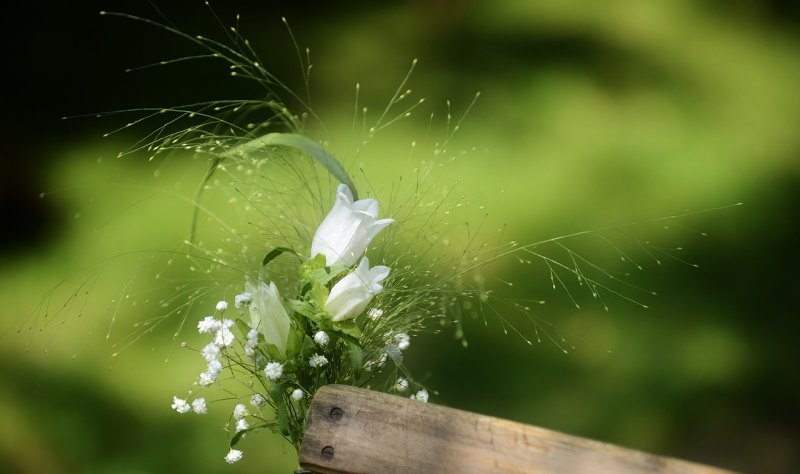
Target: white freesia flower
pixel 268 315
pixel 348 228
pixel 351 295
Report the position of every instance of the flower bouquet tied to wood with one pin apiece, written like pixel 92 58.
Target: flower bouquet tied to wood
pixel 296 276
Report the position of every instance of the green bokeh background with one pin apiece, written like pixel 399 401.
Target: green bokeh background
pixel 591 113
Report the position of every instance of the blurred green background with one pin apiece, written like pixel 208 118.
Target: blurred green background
pixel 591 113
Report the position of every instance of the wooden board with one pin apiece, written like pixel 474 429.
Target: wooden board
pixel 352 430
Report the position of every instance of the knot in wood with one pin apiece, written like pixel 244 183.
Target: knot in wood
pixel 336 414
pixel 327 452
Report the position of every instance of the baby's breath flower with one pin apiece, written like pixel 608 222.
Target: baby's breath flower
pixel 199 406
pixel 403 341
pixel 180 405
pixel 258 401
pixel 421 396
pixel 214 367
pixel 208 324
pixel 210 352
pixel 297 394
pixel 375 313
pixel 273 370
pixel 401 385
pixel 240 411
pixel 369 366
pixel 207 379
pixel 241 425
pixel 242 299
pixel 224 337
pixel 321 338
pixel 233 456
pixel 317 360
pixel 222 306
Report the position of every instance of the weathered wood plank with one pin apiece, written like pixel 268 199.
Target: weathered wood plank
pixel 352 430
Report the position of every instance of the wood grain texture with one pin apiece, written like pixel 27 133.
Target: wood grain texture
pixel 352 430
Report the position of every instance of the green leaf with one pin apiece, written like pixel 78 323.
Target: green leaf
pixel 281 412
pixel 319 294
pixel 356 357
pixel 273 352
pixel 275 252
pixel 348 327
pixel 302 144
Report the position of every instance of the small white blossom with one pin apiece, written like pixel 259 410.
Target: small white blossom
pixel 369 366
pixel 233 456
pixel 321 338
pixel 317 360
pixel 224 337
pixel 421 396
pixel 297 394
pixel 214 367
pixel 401 385
pixel 258 401
pixel 403 340
pixel 199 406
pixel 252 342
pixel 240 411
pixel 180 405
pixel 207 379
pixel 242 299
pixel 210 352
pixel 222 306
pixel 375 313
pixel 273 370
pixel 383 359
pixel 241 425
pixel 208 324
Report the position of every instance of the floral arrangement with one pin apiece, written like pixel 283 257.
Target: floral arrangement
pixel 300 282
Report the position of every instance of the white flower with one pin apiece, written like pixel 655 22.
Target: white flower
pixel 208 324
pixel 321 338
pixel 233 456
pixel 317 360
pixel 239 411
pixel 297 394
pixel 347 230
pixel 350 295
pixel 422 396
pixel 273 370
pixel 242 299
pixel 268 315
pixel 224 337
pixel 199 406
pixel 258 401
pixel 222 306
pixel 180 405
pixel 369 366
pixel 210 352
pixel 207 379
pixel 403 341
pixel 214 367
pixel 401 385
pixel 375 313
pixel 241 425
